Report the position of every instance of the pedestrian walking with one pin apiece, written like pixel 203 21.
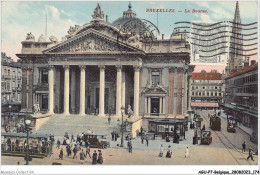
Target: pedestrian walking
pixel 147 142
pixel 61 154
pixel 250 154
pixel 94 158
pixel 142 139
pixel 187 153
pixel 109 120
pixel 129 145
pixel 244 147
pixel 161 151
pixel 100 157
pixel 118 141
pixel 169 152
pixel 113 135
pixel 75 152
pixel 82 156
pixel 68 150
pixel 88 152
pixel 116 136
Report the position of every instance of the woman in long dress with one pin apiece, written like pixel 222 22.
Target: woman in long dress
pixel 100 157
pixel 161 151
pixel 94 158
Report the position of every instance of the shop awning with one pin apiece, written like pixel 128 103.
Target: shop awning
pixel 172 120
pixel 201 104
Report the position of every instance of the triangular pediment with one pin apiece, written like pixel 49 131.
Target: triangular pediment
pixel 155 89
pixel 91 41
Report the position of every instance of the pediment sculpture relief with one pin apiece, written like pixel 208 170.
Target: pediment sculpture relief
pixel 89 44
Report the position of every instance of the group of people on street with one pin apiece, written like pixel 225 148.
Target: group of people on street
pixel 78 145
pixel 169 152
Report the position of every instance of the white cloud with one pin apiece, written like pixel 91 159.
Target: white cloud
pixel 18 19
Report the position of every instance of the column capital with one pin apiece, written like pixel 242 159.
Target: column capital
pixel 172 69
pixel 180 69
pixel 51 67
pixel 137 68
pixel 102 67
pixel 119 68
pixel 82 67
pixel 30 69
pixel 66 67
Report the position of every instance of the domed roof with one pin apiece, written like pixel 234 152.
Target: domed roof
pixel 41 38
pixel 128 16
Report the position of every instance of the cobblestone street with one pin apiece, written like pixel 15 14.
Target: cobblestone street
pixel 225 148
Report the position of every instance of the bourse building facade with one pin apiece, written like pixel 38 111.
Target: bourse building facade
pixel 91 71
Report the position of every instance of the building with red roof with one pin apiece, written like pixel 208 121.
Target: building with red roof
pixel 207 89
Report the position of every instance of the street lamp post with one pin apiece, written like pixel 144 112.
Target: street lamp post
pixel 27 122
pixel 122 126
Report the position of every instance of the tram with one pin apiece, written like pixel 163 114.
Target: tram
pixel 14 144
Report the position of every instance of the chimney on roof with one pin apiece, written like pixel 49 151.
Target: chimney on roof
pixel 253 62
pixel 162 36
pixel 106 18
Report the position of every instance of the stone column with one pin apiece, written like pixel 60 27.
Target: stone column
pixel 66 89
pixel 118 90
pixel 73 91
pixel 82 89
pixel 123 90
pixel 179 91
pixel 102 91
pixel 149 105
pixel 190 88
pixel 164 106
pixel 24 87
pixel 171 90
pixel 136 90
pixel 185 92
pixel 161 109
pixel 51 89
pixel 145 105
pixel 30 93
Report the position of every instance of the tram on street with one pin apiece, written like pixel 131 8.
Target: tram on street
pixel 14 144
pixel 215 123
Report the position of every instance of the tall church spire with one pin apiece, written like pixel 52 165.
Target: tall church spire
pixel 237 14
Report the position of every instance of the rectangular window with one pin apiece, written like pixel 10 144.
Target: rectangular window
pixel 219 94
pixel 27 45
pixel 44 76
pixel 155 78
pixel 192 93
pixel 207 93
pixel 216 94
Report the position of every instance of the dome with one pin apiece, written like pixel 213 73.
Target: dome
pixel 128 16
pixel 41 38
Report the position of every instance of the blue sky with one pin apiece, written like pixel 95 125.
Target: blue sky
pixel 20 18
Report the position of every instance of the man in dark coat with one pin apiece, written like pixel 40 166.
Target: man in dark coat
pixel 129 145
pixel 250 154
pixel 94 158
pixel 61 154
pixel 113 135
pixel 75 152
pixel 100 157
pixel 142 139
pixel 244 147
pixel 82 156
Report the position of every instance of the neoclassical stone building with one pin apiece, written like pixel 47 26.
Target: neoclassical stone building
pixel 91 71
